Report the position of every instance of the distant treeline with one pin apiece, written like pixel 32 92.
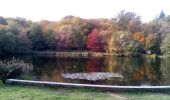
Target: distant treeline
pixel 123 34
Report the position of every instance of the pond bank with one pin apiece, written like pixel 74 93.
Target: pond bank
pixel 20 92
pixel 85 54
pixel 74 85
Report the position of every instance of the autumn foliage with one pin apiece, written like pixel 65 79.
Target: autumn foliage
pixel 120 34
pixel 139 37
pixel 93 41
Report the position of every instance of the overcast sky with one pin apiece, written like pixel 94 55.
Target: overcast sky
pixel 56 9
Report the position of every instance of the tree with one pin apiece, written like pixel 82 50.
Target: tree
pixel 36 36
pixel 104 37
pixel 133 47
pixel 93 41
pixel 118 42
pixel 152 43
pixel 3 21
pixel 134 25
pixel 22 22
pixel 165 46
pixel 78 38
pixel 128 21
pixel 165 27
pixel 152 27
pixel 112 44
pixel 138 36
pixel 49 38
pixel 8 42
pixel 74 31
pixel 65 37
pixel 161 15
pixel 14 27
pixel 24 44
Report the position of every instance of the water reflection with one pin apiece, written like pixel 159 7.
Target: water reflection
pixel 135 71
pixel 165 69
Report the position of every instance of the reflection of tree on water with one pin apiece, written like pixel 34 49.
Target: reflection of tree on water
pixel 136 70
pixel 50 68
pixel 165 69
pixel 95 65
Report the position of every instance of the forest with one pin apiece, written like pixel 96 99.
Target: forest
pixel 124 33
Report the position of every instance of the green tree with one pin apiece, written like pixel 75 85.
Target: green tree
pixel 152 43
pixel 8 42
pixel 24 44
pixel 36 36
pixel 14 27
pixel 50 40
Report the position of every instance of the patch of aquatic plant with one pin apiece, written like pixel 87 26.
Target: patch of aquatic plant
pixel 93 76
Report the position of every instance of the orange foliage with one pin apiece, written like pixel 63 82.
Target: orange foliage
pixel 139 37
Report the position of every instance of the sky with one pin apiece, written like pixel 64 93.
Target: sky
pixel 54 10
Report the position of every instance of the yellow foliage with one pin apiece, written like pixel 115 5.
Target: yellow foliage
pixel 112 46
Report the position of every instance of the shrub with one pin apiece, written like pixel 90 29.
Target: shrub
pixel 13 68
pixel 133 47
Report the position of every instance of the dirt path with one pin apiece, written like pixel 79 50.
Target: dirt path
pixel 118 96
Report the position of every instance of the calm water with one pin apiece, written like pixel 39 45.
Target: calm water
pixel 111 71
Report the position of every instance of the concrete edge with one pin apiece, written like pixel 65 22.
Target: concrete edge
pixel 109 87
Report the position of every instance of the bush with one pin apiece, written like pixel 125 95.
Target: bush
pixel 133 47
pixel 153 43
pixel 13 68
pixel 165 46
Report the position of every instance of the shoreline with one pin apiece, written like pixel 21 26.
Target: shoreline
pixel 90 54
pixel 85 54
pixel 75 85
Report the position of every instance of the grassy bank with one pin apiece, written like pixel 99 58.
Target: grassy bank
pixel 9 92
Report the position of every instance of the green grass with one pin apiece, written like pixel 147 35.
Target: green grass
pixel 17 92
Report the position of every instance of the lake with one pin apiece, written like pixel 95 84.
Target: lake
pixel 98 70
